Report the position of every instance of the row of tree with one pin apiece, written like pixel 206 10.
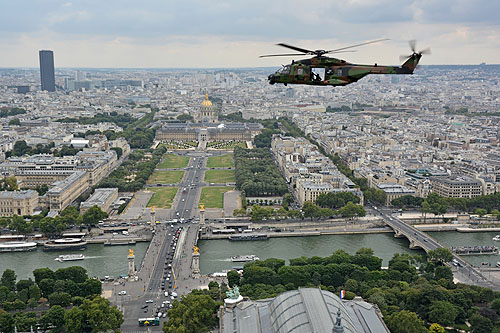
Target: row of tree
pixel 7 112
pixel 484 204
pixel 66 287
pixel 51 226
pixel 133 173
pixel 21 148
pixel 410 298
pixel 256 173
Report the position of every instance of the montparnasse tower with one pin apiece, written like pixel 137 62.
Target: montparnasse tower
pixel 207 113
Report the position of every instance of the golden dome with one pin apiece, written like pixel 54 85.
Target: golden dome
pixel 206 102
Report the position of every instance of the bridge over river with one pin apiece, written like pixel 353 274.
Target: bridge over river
pixel 465 272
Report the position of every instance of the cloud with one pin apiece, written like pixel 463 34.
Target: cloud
pixel 243 28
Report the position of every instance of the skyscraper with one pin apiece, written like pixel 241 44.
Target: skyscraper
pixel 47 76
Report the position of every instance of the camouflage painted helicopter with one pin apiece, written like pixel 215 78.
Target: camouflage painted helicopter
pixel 326 71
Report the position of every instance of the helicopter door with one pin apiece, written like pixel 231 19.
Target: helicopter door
pixel 318 74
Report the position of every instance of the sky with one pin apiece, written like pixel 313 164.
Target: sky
pixel 233 33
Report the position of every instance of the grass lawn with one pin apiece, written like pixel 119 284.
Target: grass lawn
pixel 163 197
pixel 173 161
pixel 219 176
pixel 166 177
pixel 223 161
pixel 213 197
pixel 226 145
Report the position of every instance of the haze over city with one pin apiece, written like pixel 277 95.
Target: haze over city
pixel 201 34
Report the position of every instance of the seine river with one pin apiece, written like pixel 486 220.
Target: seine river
pixel 99 260
pixel 215 254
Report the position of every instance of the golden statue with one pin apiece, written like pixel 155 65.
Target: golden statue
pixel 152 209
pixel 196 250
pixel 202 207
pixel 130 252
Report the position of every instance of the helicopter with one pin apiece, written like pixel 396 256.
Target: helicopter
pixel 326 71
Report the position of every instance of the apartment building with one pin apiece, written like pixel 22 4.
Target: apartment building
pixel 18 202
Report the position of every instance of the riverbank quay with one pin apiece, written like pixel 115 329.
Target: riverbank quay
pixel 315 228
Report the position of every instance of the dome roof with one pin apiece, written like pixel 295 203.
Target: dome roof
pixel 206 102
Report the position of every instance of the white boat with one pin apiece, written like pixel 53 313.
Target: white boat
pixel 70 257
pixel 246 258
pixel 496 238
pixel 17 246
pixel 65 244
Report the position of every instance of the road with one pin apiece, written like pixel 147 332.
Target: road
pixel 464 271
pixel 154 268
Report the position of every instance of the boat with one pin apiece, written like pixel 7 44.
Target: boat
pixel 65 244
pixel 70 257
pixel 17 246
pixel 496 238
pixel 498 264
pixel 246 258
pixel 248 237
pixel 475 250
pixel 119 242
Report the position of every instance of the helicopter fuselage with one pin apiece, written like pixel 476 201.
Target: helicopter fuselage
pixel 326 71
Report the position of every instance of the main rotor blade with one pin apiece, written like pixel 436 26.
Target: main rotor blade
pixel 295 48
pixel 425 51
pixel 366 43
pixel 343 51
pixel 413 44
pixel 281 55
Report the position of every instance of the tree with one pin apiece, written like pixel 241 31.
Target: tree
pixel 184 117
pixel 54 317
pixel 405 322
pixel 310 210
pixel 436 328
pixel 43 273
pixel 480 211
pixel 233 278
pixel 60 298
pixel 76 274
pixel 441 255
pixel 74 320
pixel 480 324
pixel 443 313
pixel 20 148
pixel 9 279
pixel 100 315
pixel 9 184
pixel 351 210
pixel 15 121
pixel 93 215
pixel 193 313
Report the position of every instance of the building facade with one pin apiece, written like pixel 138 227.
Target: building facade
pixel 456 187
pixel 47 76
pixel 18 202
pixel 102 198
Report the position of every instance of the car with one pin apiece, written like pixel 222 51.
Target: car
pixel 123 292
pixel 172 298
pixel 166 293
pixel 145 306
pixel 149 301
pixel 164 314
pixel 174 294
pixel 162 305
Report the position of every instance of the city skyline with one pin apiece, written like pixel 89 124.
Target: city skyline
pixel 233 34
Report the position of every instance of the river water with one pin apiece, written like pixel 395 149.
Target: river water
pixel 215 254
pixel 99 260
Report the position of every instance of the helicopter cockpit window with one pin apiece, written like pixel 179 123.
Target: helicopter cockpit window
pixel 285 70
pixel 318 74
